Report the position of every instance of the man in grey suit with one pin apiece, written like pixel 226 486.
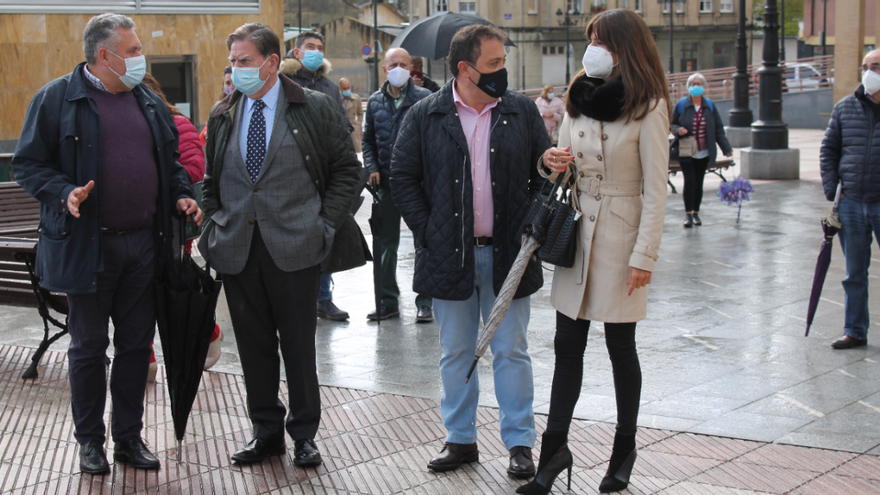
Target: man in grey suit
pixel 281 175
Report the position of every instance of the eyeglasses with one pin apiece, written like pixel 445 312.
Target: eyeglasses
pixel 865 68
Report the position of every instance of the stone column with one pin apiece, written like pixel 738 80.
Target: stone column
pixel 849 46
pixel 739 132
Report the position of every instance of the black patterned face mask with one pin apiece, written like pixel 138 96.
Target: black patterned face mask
pixel 493 84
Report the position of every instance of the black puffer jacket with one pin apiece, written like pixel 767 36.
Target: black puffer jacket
pixel 382 125
pixel 850 152
pixel 431 185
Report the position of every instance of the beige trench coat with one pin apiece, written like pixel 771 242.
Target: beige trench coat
pixel 622 171
pixel 355 111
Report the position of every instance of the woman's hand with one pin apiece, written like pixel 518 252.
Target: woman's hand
pixel 728 154
pixel 558 159
pixel 637 279
pixel 682 131
pixel 547 115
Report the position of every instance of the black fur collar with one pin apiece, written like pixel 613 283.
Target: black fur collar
pixel 596 98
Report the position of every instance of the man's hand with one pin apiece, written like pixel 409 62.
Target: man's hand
pixel 188 207
pixel 374 179
pixel 558 159
pixel 682 131
pixel 637 279
pixel 418 81
pixel 77 196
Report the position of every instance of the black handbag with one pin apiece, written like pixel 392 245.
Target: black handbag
pixel 561 231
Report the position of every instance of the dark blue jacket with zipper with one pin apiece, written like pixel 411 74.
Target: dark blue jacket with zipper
pixel 850 152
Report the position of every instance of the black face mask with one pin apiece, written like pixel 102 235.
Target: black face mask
pixel 493 84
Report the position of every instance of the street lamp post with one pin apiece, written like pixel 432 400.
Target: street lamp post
pixel 671 28
pixel 568 20
pixel 739 132
pixel 782 30
pixel 824 25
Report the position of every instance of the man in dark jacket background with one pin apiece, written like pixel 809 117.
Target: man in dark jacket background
pixel 99 151
pixel 463 173
pixel 420 78
pixel 385 111
pixel 850 156
pixel 306 66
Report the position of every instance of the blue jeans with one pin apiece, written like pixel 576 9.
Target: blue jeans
pixel 325 293
pixel 514 387
pixel 859 221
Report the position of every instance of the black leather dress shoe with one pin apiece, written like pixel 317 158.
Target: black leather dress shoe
pixel 697 220
pixel 135 453
pixel 259 449
pixel 92 458
pixel 384 313
pixel 454 455
pixel 307 453
pixel 847 342
pixel 329 311
pixel 521 464
pixel 425 315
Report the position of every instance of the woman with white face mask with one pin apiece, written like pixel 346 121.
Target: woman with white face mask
pixel 552 109
pixel 695 115
pixel 614 135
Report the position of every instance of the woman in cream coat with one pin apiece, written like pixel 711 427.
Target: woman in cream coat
pixel 614 133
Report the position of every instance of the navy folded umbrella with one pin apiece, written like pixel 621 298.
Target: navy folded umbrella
pixel 376 229
pixel 830 227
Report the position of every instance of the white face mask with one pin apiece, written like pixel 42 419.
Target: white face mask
pixel 598 62
pixel 398 77
pixel 871 82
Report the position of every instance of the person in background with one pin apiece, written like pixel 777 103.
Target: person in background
pixel 192 158
pixel 104 253
pixel 228 88
pixel 850 156
pixel 385 112
pixel 696 115
pixel 306 66
pixel 419 77
pixel 551 109
pixel 355 110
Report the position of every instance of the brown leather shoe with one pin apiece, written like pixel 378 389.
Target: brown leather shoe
pixel 521 464
pixel 454 455
pixel 847 342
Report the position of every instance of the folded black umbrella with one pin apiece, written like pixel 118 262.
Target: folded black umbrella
pixel 186 299
pixel 830 227
pixel 376 229
pixel 430 37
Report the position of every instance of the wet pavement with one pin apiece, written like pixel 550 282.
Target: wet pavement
pixel 723 350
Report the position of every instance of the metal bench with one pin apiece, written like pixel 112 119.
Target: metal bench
pixel 721 164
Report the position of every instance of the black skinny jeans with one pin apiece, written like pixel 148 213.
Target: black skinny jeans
pixel 570 344
pixel 694 171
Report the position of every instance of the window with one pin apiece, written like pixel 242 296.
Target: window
pixel 573 5
pixel 534 8
pixel 705 6
pixel 441 6
pixel 130 7
pixel 679 7
pixel 689 55
pixel 467 7
pixel 638 6
pixel 726 5
pixel 598 6
pixel 666 7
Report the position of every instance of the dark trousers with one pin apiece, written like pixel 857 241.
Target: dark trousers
pixel 269 306
pixel 694 171
pixel 570 344
pixel 390 238
pixel 125 295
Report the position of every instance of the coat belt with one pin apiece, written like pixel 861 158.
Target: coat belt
pixel 595 187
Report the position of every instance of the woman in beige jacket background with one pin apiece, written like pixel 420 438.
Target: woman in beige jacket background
pixel 615 134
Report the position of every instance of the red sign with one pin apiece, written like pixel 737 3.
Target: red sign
pixel 366 50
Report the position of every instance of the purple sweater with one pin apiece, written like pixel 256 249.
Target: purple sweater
pixel 129 184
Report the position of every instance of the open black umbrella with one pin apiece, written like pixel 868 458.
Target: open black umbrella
pixel 376 229
pixel 830 227
pixel 430 37
pixel 186 298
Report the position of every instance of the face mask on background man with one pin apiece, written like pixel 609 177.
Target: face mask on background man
pixel 312 59
pixel 550 96
pixel 871 82
pixel 135 70
pixel 398 77
pixel 598 62
pixel 247 79
pixel 346 93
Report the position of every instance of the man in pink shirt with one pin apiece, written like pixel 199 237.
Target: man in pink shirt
pixel 463 173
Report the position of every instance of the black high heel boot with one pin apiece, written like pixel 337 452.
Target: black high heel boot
pixel 555 458
pixel 623 457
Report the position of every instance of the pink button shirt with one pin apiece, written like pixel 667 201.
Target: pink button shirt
pixel 477 128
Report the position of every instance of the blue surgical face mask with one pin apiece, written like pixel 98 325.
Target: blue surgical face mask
pixel 550 96
pixel 347 93
pixel 695 90
pixel 135 70
pixel 247 79
pixel 312 60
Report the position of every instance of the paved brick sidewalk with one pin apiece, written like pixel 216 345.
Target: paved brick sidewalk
pixel 374 443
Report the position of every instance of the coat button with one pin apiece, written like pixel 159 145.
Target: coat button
pixel 604 137
pixel 252 221
pixel 296 131
pixel 580 155
pixel 581 134
pixel 598 157
pixel 307 158
pixel 497 250
pixel 492 150
pixel 592 218
pixel 504 122
pixel 598 198
pixel 599 176
pixel 256 189
pixel 582 174
pixel 456 214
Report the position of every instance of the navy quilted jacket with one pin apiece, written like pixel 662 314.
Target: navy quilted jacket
pixel 431 185
pixel 850 152
pixel 382 124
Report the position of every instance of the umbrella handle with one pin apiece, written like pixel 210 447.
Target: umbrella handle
pixel 837 198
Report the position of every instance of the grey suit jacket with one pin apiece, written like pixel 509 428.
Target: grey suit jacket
pixel 283 202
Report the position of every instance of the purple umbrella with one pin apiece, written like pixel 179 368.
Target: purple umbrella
pixel 830 227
